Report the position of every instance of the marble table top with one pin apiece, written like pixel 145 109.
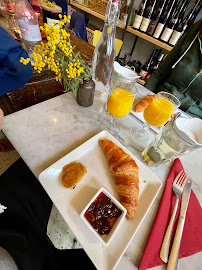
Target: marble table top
pixel 45 132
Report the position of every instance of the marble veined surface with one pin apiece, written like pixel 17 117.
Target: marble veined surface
pixel 44 133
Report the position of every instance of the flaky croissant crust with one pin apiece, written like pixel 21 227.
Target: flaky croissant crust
pixel 125 173
pixel 143 103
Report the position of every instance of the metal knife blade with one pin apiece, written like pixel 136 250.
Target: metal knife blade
pixel 174 254
pixel 185 198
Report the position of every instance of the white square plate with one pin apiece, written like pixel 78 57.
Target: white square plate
pixel 71 202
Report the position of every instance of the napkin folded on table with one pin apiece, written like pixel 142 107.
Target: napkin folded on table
pixel 191 242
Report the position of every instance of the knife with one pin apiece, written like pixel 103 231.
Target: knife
pixel 174 254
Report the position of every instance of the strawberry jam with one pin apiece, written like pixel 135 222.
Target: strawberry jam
pixel 102 214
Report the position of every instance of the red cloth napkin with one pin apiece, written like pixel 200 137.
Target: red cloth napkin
pixel 191 242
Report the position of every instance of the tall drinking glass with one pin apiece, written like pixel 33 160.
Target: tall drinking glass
pixel 119 104
pixel 157 113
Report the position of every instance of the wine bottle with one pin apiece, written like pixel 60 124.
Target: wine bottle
pixel 28 24
pixel 147 16
pixel 144 70
pixel 159 60
pixel 139 15
pixel 155 17
pixel 124 11
pixel 171 23
pixel 155 59
pixel 194 15
pixel 164 17
pixel 105 51
pixel 155 63
pixel 182 26
pixel 183 13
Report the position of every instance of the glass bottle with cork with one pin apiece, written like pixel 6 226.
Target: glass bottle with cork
pixel 184 24
pixel 155 16
pixel 147 16
pixel 28 24
pixel 105 51
pixel 124 11
pixel 173 21
pixel 155 66
pixel 155 63
pixel 146 66
pixel 36 5
pixel 139 15
pixel 164 17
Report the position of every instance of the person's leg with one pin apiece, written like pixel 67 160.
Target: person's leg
pixel 23 224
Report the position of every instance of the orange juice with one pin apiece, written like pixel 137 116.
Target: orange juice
pixel 158 112
pixel 120 102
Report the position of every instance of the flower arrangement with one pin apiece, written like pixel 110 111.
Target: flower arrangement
pixel 47 3
pixel 58 55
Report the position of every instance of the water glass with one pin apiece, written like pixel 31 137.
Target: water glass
pixel 172 142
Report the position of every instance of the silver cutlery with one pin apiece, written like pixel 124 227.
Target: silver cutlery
pixel 174 254
pixel 178 186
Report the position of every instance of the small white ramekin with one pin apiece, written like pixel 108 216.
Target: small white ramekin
pixel 105 239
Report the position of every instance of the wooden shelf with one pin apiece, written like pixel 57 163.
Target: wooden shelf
pixel 142 82
pixel 122 26
pixel 150 39
pixel 94 13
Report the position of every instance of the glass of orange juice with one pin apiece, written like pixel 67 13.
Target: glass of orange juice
pixel 119 103
pixel 157 113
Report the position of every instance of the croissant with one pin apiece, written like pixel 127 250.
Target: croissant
pixel 125 173
pixel 143 103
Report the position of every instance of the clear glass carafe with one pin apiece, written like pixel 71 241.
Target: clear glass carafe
pixel 105 51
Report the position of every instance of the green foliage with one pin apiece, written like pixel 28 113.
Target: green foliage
pixel 72 84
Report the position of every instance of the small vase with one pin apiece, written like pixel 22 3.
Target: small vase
pixel 85 93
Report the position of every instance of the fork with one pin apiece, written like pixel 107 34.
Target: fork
pixel 178 186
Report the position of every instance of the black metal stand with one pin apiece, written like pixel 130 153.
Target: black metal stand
pixel 134 44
